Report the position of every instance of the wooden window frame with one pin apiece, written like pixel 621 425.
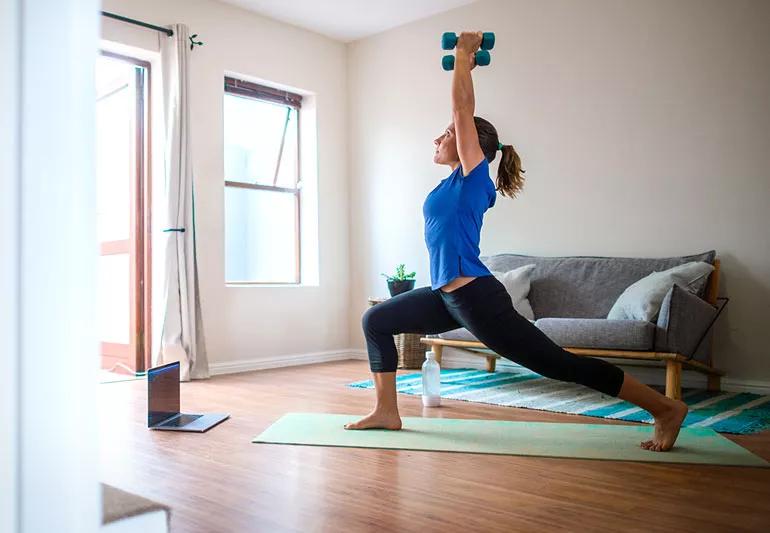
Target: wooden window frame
pixel 254 91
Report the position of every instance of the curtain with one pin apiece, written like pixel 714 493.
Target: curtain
pixel 182 336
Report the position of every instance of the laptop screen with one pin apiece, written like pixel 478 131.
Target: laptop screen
pixel 162 393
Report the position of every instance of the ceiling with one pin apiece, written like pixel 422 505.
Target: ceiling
pixel 348 20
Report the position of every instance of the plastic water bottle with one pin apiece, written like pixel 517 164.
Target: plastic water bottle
pixel 431 381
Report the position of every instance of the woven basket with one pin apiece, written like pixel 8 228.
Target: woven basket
pixel 411 352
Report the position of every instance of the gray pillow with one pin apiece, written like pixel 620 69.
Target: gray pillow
pixel 517 282
pixel 683 318
pixel 642 300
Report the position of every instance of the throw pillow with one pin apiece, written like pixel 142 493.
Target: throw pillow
pixel 517 283
pixel 642 299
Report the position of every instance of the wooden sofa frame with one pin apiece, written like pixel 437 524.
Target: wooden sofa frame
pixel 674 361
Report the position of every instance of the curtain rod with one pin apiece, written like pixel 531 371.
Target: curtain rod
pixel 138 23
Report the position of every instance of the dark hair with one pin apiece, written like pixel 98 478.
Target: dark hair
pixel 509 174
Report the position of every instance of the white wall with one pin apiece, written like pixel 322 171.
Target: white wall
pixel 243 324
pixel 644 128
pixel 48 255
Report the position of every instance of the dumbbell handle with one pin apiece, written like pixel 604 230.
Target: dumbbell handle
pixel 449 40
pixel 482 60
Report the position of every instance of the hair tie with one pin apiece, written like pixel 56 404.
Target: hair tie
pixel 499 146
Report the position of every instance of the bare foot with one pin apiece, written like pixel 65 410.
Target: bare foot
pixel 667 427
pixel 377 419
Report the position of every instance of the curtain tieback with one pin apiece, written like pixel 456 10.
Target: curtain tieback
pixel 167 230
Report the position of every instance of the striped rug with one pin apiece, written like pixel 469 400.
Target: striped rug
pixel 726 412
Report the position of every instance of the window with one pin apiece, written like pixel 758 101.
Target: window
pixel 262 184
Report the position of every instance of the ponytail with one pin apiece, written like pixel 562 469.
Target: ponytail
pixel 509 173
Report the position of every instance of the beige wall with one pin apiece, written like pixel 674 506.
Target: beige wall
pixel 244 325
pixel 644 128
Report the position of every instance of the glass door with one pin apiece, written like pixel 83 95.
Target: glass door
pixel 122 210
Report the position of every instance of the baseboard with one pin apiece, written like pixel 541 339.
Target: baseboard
pixel 643 371
pixel 746 385
pixel 280 361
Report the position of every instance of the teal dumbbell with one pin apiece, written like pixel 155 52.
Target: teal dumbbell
pixel 449 40
pixel 482 59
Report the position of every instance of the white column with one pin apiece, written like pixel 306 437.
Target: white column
pixel 48 252
pixel 9 272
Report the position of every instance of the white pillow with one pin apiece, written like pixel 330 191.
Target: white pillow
pixel 517 283
pixel 642 300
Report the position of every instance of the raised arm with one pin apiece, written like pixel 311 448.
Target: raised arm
pixel 464 103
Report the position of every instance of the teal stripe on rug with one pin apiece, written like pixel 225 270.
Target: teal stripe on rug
pixel 623 410
pixel 750 420
pixel 725 412
pixel 734 416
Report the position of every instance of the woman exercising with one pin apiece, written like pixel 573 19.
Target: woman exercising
pixel 464 292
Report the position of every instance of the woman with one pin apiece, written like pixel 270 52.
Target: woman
pixel 464 292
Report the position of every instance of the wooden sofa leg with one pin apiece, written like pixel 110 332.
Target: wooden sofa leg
pixel 714 383
pixel 437 350
pixel 491 361
pixel 674 380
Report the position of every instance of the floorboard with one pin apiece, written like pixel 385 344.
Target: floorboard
pixel 220 482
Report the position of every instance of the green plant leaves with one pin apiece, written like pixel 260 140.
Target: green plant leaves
pixel 400 274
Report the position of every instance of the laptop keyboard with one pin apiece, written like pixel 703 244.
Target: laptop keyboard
pixel 181 421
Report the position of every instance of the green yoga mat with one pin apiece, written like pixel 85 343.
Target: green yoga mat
pixel 584 441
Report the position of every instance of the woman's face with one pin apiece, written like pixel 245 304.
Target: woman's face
pixel 446 147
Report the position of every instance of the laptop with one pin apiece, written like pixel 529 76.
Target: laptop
pixel 163 403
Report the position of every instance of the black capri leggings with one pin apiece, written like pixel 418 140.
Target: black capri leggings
pixel 484 307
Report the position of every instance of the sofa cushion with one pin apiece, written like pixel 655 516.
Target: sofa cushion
pixel 683 319
pixel 583 287
pixel 599 333
pixel 641 300
pixel 517 283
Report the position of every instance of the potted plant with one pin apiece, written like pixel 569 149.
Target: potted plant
pixel 401 282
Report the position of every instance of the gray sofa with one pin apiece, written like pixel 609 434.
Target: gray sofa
pixel 571 297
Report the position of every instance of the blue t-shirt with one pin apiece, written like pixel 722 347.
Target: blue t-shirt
pixel 454 212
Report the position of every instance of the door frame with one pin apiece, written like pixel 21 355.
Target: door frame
pixel 140 293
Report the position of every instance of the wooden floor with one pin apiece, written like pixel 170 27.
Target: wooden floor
pixel 220 482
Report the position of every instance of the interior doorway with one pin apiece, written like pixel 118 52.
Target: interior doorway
pixel 123 211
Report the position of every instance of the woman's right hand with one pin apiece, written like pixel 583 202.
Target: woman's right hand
pixel 469 41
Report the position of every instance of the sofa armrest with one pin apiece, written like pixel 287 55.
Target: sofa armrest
pixel 683 319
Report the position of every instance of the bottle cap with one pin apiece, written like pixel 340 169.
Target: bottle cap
pixel 430 355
